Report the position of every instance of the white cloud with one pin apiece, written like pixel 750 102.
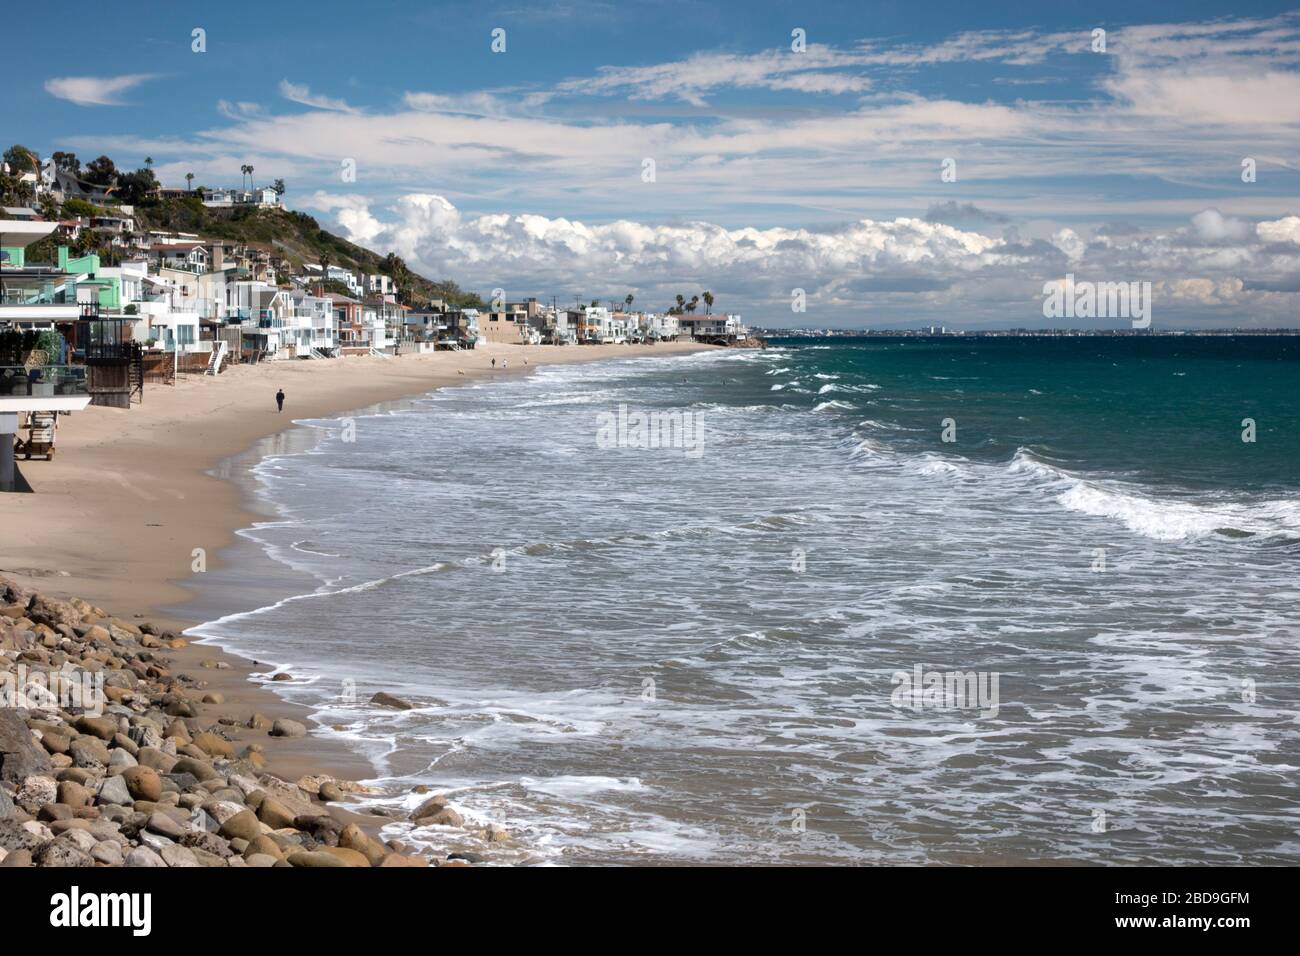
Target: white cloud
pixel 95 90
pixel 300 93
pixel 1286 229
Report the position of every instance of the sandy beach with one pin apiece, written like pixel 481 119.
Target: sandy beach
pixel 114 519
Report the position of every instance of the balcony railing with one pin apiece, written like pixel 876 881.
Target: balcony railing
pixel 42 382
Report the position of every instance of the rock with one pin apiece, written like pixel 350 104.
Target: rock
pixel 288 728
pixel 62 852
pixel 74 794
pixel 214 746
pixel 20 755
pixel 105 728
pixel 282 677
pixel 37 791
pixel 398 859
pixel 496 833
pixel 17 858
pixel 179 856
pixel 243 825
pixel 383 699
pixel 274 814
pixel 314 859
pixel 464 856
pixel 330 792
pixel 6 805
pixel 443 817
pixel 155 759
pixel 142 856
pixel 264 846
pixel 108 853
pixel 203 843
pixel 259 722
pixel 120 759
pixel 162 824
pixel 350 857
pixel 198 769
pixel 429 807
pixel 261 860
pixel 115 790
pixel 352 837
pixel 88 751
pixel 143 782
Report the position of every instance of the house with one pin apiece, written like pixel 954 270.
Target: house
pixel 20 213
pixel 262 197
pixel 65 185
pixel 726 329
pixel 319 313
pixel 348 322
pixel 183 256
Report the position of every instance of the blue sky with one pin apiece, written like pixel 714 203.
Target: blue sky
pixel 774 169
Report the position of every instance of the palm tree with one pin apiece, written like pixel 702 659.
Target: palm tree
pixel 250 177
pixel 627 302
pixel 189 182
pixel 148 162
pixel 690 306
pixel 708 303
pixel 681 302
pixel 243 174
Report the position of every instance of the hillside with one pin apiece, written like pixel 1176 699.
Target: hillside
pixel 299 238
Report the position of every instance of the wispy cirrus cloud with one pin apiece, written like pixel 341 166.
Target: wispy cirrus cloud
pixel 95 90
pixel 301 93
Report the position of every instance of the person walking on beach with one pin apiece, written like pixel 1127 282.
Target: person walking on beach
pixel 279 400
pixel 494 362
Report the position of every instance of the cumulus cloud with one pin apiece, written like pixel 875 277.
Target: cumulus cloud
pixel 1205 267
pixel 1286 229
pixel 95 90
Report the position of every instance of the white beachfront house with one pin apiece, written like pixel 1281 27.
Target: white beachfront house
pixel 318 313
pixel 263 196
pixel 659 328
pixel 339 274
pixel 715 328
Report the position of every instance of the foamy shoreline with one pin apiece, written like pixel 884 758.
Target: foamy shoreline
pixel 116 519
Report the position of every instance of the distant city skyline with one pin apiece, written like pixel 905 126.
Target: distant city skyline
pixel 902 166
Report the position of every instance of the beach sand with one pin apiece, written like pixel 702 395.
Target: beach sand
pixel 114 519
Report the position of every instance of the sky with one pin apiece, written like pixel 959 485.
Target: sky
pixel 900 164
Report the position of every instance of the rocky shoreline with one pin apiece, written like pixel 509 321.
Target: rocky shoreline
pixel 106 760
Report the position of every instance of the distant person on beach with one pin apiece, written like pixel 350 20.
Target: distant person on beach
pixel 279 400
pixel 505 363
pixel 494 363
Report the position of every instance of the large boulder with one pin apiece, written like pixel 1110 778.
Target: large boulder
pixel 20 755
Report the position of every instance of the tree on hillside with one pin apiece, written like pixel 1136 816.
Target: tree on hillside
pixel 278 186
pixel 189 181
pixel 137 187
pixel 48 207
pixel 101 172
pixel 148 162
pixel 68 162
pixel 21 160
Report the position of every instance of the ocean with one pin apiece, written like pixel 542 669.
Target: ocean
pixel 872 600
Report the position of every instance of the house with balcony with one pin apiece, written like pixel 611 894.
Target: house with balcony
pixel 718 329
pixel 318 313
